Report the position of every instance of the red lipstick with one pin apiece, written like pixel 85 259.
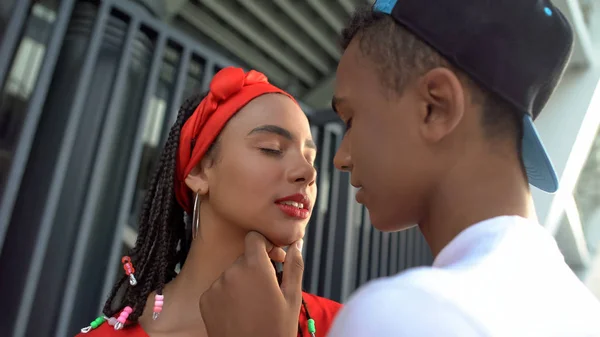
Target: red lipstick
pixel 295 206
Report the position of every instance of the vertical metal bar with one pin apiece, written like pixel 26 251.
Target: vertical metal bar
pixel 418 247
pixel 394 253
pixel 415 248
pixel 59 174
pixel 366 246
pixel 182 74
pixel 385 254
pixel 375 248
pixel 406 248
pixel 12 37
pixel 315 267
pixel 316 134
pixel 135 160
pixel 419 259
pixel 334 219
pixel 339 280
pixel 314 131
pixel 358 240
pixel 410 247
pixel 34 110
pixel 424 249
pixel 309 236
pixel 351 240
pixel 430 254
pixel 425 252
pixel 421 256
pixel 402 251
pixel 320 222
pixel 98 180
pixel 209 67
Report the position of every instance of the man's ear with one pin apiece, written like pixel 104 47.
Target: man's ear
pixel 444 99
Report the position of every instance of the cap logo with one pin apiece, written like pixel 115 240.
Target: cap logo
pixel 548 11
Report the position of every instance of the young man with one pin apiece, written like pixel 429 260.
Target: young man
pixel 439 97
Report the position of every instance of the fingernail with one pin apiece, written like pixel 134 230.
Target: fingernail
pixel 299 244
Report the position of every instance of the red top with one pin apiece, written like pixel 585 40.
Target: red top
pixel 321 310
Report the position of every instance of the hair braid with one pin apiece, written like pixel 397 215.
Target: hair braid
pixel 161 228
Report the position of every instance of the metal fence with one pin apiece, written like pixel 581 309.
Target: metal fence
pixel 88 89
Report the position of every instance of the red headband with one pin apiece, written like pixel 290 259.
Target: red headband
pixel 230 90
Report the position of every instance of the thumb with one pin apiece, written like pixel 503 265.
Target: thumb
pixel 293 268
pixel 257 247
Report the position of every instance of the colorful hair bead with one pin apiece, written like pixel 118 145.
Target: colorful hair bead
pixel 123 318
pixel 129 270
pixel 112 321
pixel 158 305
pixel 311 327
pixel 95 323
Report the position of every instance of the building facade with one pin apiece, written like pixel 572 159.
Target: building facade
pixel 89 89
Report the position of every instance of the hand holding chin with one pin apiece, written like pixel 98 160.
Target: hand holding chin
pixel 247 299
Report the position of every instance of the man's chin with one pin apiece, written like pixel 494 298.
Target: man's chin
pixel 389 226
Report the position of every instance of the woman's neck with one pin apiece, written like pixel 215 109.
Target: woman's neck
pixel 216 248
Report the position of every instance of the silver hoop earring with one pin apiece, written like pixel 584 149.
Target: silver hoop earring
pixel 196 216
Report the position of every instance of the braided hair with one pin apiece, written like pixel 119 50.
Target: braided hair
pixel 163 240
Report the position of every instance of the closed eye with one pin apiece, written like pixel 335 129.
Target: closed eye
pixel 271 152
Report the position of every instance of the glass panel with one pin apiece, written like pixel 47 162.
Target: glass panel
pixel 193 82
pixel 6 8
pixel 156 128
pixel 21 81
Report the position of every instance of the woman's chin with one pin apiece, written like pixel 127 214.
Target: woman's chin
pixel 284 239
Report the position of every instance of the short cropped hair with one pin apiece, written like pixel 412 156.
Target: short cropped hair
pixel 400 56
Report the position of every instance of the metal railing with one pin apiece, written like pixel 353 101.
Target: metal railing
pixel 85 106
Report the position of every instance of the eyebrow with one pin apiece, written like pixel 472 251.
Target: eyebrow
pixel 278 130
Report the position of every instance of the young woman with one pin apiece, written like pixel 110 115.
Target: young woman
pixel 239 159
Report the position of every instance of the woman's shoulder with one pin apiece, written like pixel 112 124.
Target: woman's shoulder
pixel 106 330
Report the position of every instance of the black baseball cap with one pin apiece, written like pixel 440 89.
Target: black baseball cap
pixel 517 49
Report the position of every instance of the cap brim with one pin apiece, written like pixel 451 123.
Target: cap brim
pixel 538 166
pixel 384 6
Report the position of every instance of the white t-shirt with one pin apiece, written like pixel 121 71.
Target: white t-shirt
pixel 501 277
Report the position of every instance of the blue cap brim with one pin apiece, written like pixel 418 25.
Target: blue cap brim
pixel 384 6
pixel 538 166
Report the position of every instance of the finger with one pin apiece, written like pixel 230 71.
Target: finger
pixel 277 254
pixel 257 247
pixel 293 268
